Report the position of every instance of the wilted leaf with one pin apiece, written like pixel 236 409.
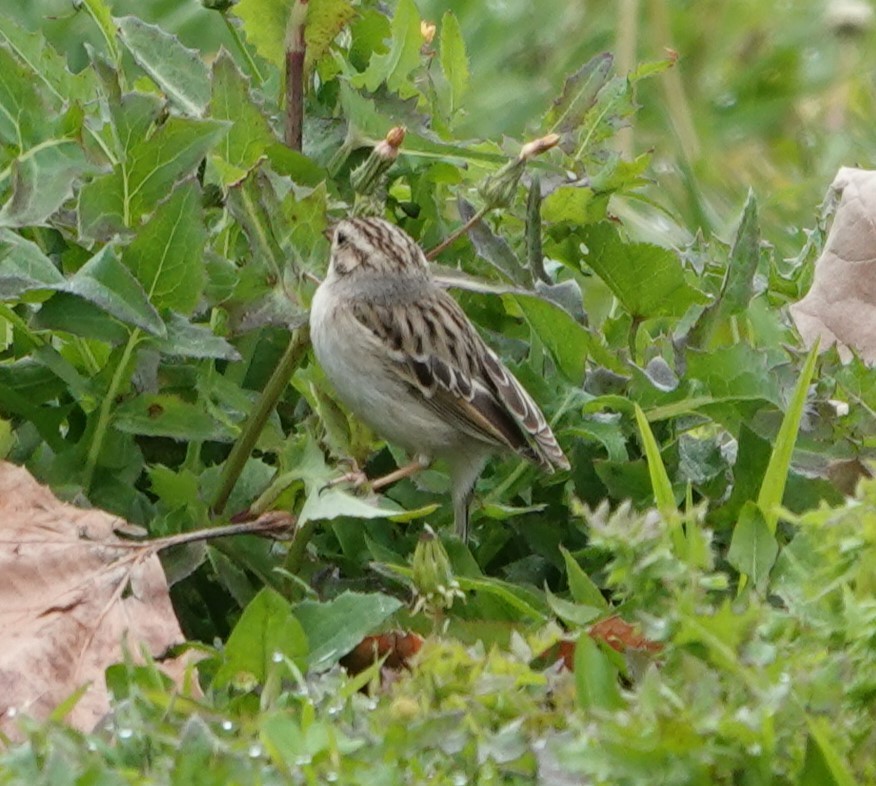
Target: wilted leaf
pixel 73 599
pixel 840 307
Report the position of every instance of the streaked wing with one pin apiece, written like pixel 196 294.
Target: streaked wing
pixel 435 349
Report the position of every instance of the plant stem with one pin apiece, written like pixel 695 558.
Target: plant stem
pixel 457 232
pixel 625 47
pixel 106 405
pixel 676 100
pixel 296 48
pixel 255 422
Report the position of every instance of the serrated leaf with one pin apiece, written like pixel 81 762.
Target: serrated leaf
pixel 737 289
pixel 394 66
pixel 24 267
pixel 166 256
pixel 569 203
pixel 579 94
pixel 107 283
pixel 71 314
pixel 265 23
pixel 333 503
pixel 24 110
pixel 46 64
pixel 165 415
pixel 566 340
pixel 42 179
pixel 325 19
pixel 753 548
pixel 336 627
pixel 185 339
pixel 149 167
pixel 176 69
pixel 250 134
pixel 266 627
pixel 647 279
pixel 454 62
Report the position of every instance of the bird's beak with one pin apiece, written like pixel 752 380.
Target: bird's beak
pixel 329 231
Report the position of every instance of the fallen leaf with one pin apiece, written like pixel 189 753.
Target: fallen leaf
pixel 397 647
pixel 73 597
pixel 840 307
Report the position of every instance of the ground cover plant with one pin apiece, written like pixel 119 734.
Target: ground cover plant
pixel 692 602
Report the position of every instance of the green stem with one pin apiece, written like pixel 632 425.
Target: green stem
pixel 298 547
pixel 103 418
pixel 258 417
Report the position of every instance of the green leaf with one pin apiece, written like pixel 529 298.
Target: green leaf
pixel 176 69
pixel 250 133
pixel 266 628
pixel 569 203
pixel 166 415
pixel 595 677
pixel 265 23
pixel 647 279
pixel 108 284
pixel 42 180
pixel 166 256
pixel 325 19
pixel 23 110
pixel 566 340
pixel 753 548
pixel 571 613
pixel 664 496
pixel 71 314
pixel 454 62
pixel 185 339
pixel 579 94
pixel 149 167
pixel 24 267
pixel 581 585
pixel 334 503
pixel 45 64
pixel 336 627
pixel 394 66
pixel 824 764
pixel 737 288
pixel 773 487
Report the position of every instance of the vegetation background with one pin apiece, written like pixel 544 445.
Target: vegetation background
pixel 703 517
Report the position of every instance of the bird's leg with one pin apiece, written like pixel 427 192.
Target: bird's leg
pixel 358 478
pixel 355 476
pixel 417 465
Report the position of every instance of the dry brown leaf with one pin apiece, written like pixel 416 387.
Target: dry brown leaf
pixel 73 596
pixel 840 307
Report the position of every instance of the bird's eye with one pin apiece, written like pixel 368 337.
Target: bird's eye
pixel 341 239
